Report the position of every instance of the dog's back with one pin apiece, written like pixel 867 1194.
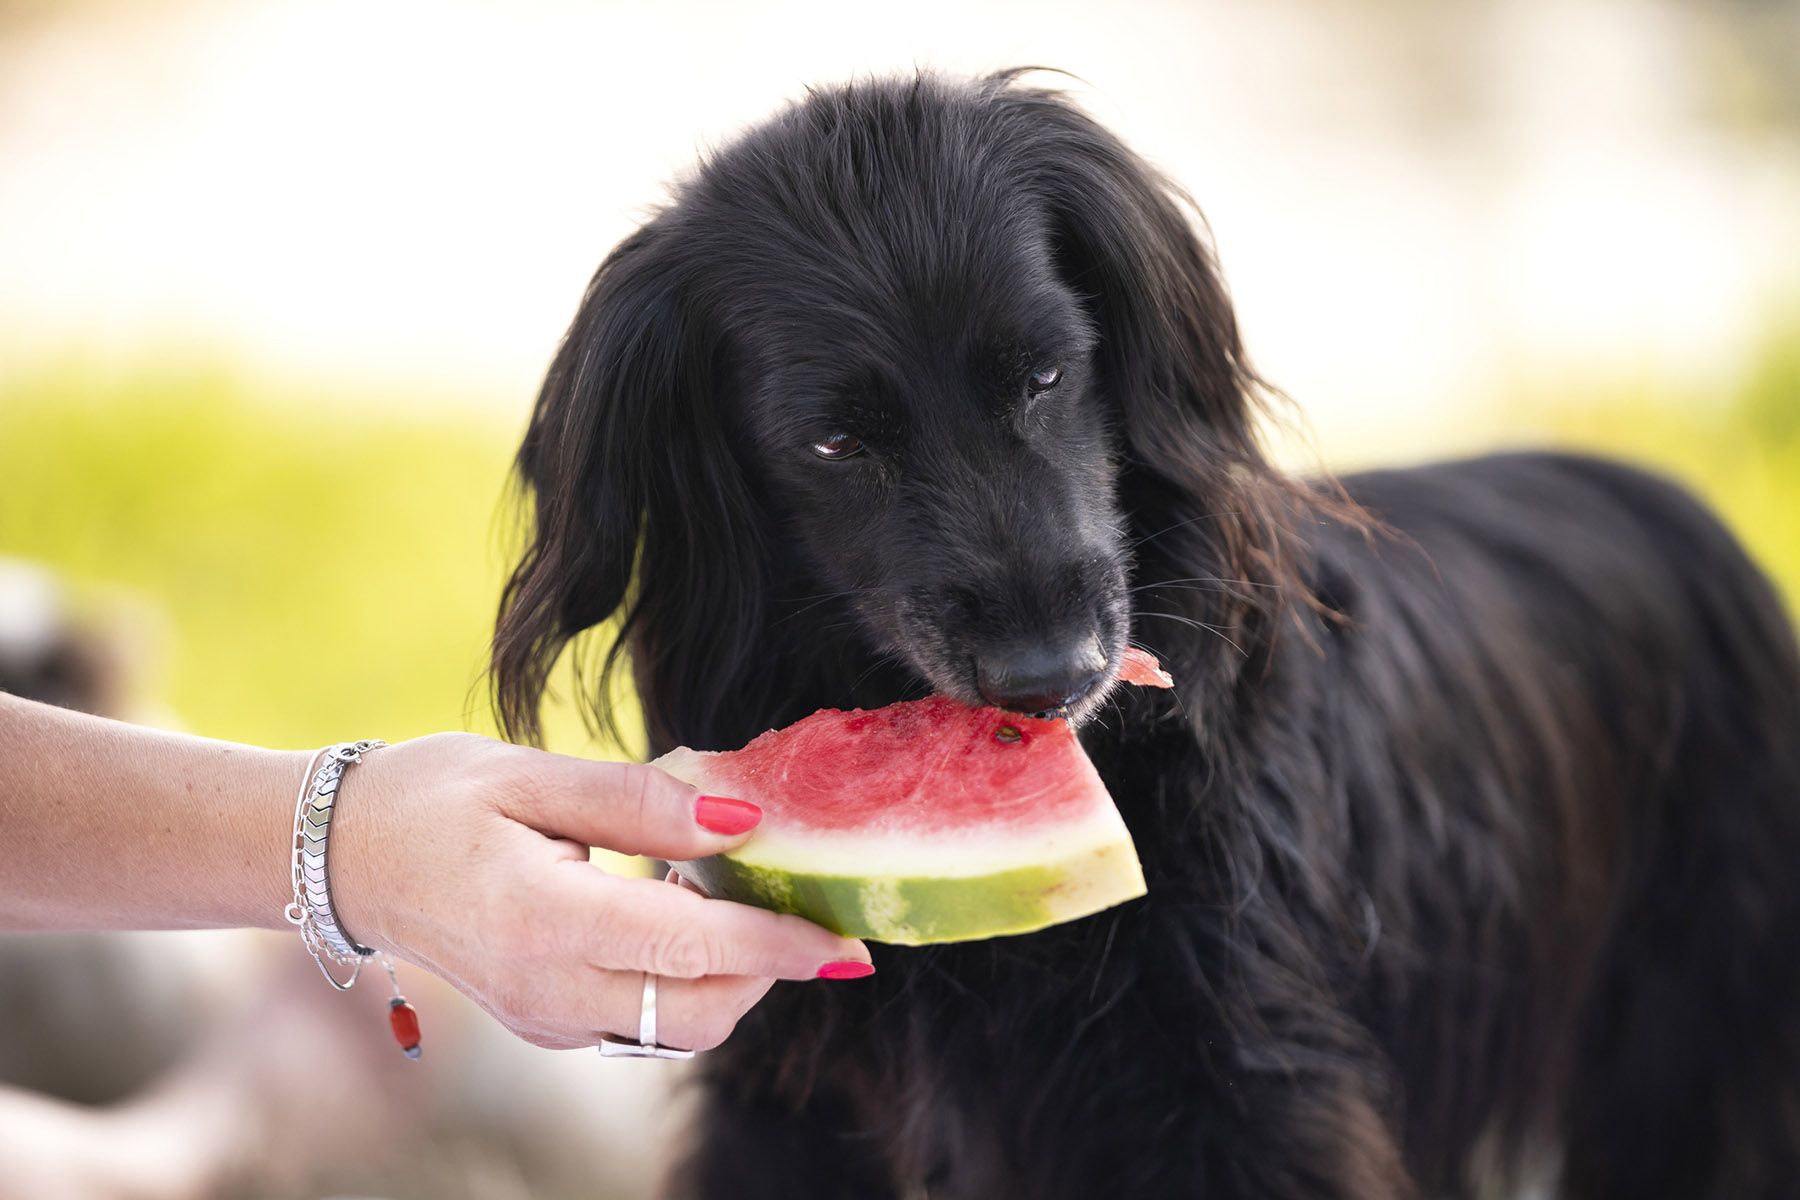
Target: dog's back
pixel 1595 626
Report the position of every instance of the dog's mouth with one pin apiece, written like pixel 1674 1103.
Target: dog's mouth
pixel 1067 678
pixel 1078 709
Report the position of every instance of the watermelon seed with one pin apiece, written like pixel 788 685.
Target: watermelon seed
pixel 1007 733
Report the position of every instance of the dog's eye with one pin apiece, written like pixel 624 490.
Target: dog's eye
pixel 836 446
pixel 1043 379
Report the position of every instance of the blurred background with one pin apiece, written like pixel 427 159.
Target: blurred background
pixel 278 281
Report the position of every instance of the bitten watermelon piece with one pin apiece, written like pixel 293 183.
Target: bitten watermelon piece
pixel 1137 666
pixel 925 821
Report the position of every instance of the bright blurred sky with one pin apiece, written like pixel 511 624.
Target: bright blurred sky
pixel 1416 205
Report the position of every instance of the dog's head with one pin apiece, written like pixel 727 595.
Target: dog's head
pixel 928 353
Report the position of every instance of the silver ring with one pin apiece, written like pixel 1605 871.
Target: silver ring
pixel 645 1046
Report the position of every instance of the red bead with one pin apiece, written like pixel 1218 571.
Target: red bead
pixel 404 1019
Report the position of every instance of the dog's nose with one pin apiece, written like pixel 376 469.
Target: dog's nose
pixel 1041 676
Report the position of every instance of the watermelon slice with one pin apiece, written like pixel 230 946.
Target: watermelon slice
pixel 925 821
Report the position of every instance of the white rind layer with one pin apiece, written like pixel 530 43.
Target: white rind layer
pixel 945 853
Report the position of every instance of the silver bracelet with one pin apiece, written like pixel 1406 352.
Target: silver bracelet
pixel 311 910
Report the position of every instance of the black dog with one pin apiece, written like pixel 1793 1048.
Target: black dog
pixel 1472 830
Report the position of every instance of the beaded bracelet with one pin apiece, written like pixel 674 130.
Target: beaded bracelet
pixel 311 910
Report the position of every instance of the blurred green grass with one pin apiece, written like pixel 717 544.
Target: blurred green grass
pixel 1737 446
pixel 328 565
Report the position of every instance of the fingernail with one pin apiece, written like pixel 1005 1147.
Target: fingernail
pixel 848 968
pixel 722 814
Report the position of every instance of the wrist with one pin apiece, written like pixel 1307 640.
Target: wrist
pixel 252 790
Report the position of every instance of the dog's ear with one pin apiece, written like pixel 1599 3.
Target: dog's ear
pixel 640 512
pixel 1127 240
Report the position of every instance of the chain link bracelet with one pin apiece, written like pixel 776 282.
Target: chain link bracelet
pixel 311 909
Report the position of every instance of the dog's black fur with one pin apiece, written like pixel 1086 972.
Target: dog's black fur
pixel 1472 829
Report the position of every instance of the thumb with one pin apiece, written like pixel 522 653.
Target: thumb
pixel 631 808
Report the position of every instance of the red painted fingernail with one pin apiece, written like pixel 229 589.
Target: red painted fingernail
pixel 849 968
pixel 722 814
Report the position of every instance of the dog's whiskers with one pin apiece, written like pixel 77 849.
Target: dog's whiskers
pixel 824 598
pixel 1213 629
pixel 1145 587
pixel 1210 516
pixel 884 660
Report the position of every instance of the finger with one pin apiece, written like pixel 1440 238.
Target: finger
pixel 699 1014
pixel 680 934
pixel 630 807
pixel 691 1014
pixel 678 879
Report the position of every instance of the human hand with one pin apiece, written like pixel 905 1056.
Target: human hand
pixel 469 857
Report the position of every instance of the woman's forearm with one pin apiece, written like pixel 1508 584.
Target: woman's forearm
pixel 458 853
pixel 105 825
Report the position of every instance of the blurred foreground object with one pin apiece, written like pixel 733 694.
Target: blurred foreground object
pixel 46 653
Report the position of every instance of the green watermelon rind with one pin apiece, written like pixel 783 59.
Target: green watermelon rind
pixel 926 910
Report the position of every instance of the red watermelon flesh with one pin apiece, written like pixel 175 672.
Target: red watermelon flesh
pixel 924 821
pixel 915 768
